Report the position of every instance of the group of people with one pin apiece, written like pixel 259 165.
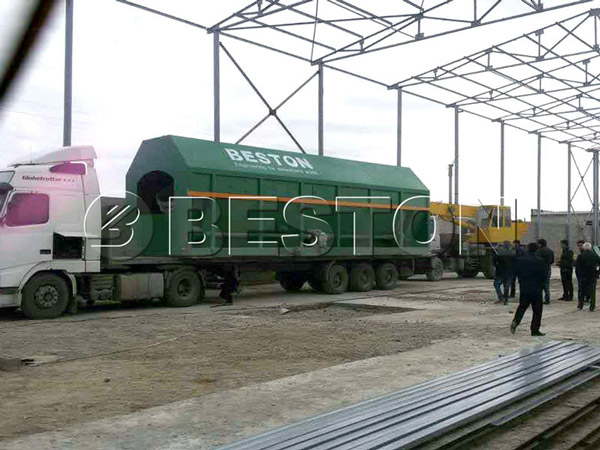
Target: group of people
pixel 532 268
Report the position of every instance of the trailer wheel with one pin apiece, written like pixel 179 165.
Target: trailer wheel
pixel 386 276
pixel 362 277
pixel 437 270
pixel 45 296
pixel 334 279
pixel 291 281
pixel 185 288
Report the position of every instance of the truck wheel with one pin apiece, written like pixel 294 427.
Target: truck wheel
pixel 386 276
pixel 45 296
pixel 362 277
pixel 334 279
pixel 437 270
pixel 291 281
pixel 184 289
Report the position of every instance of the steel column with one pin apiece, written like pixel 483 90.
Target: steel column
pixel 68 93
pixel 399 130
pixel 321 110
pixel 456 157
pixel 569 206
pixel 516 219
pixel 595 225
pixel 502 163
pixel 217 85
pixel 450 166
pixel 538 231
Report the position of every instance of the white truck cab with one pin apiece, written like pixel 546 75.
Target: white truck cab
pixel 43 244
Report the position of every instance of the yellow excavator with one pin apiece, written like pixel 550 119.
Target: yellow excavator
pixel 468 235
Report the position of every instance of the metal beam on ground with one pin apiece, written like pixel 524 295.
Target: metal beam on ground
pixel 419 414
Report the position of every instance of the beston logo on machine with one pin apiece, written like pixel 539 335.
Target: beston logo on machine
pixel 195 230
pixel 126 225
pixel 271 161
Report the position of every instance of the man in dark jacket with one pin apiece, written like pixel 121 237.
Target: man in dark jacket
pixel 566 270
pixel 518 253
pixel 531 271
pixel 587 266
pixel 547 256
pixel 503 263
pixel 230 284
pixel 577 274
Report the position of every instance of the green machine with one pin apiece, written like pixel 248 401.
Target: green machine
pixel 334 223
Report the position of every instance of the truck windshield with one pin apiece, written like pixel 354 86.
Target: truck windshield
pixel 5 177
pixel 3 196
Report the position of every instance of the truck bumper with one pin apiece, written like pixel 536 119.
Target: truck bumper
pixel 10 297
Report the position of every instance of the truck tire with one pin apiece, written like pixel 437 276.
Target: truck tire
pixel 437 270
pixel 185 288
pixel 386 276
pixel 362 277
pixel 334 279
pixel 292 282
pixel 45 296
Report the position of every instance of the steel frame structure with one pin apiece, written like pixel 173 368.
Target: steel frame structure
pixel 324 31
pixel 554 95
pixel 549 100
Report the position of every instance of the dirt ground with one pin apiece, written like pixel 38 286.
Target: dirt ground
pixel 115 360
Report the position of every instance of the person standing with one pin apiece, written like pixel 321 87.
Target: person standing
pixel 547 256
pixel 566 271
pixel 503 262
pixel 587 266
pixel 531 272
pixel 518 253
pixel 577 274
pixel 230 284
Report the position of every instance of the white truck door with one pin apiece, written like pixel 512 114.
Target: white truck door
pixel 26 234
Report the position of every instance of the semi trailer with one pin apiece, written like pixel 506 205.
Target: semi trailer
pixel 194 209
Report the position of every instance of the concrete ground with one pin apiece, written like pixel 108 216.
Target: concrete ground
pixel 148 377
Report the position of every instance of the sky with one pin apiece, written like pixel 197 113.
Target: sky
pixel 139 76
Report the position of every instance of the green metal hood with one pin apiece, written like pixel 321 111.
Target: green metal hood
pixel 180 155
